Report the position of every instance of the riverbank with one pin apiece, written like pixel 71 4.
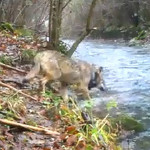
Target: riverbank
pixel 126 73
pixel 32 120
pixel 40 112
pixel 131 36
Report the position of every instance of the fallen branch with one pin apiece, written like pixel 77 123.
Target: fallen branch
pixel 13 68
pixel 18 91
pixel 14 80
pixel 29 127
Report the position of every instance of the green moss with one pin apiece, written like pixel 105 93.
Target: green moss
pixel 27 55
pixel 62 47
pixel 141 35
pixel 6 26
pixel 1 71
pixel 110 32
pixel 24 32
pixel 128 123
pixel 31 122
pixel 6 59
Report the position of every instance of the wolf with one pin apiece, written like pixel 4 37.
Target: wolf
pixel 57 67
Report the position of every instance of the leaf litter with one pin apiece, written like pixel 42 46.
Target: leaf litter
pixel 43 112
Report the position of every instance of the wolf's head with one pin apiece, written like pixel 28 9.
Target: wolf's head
pixel 97 80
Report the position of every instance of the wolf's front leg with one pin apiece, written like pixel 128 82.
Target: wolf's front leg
pixel 64 91
pixel 83 88
pixel 86 94
pixel 43 83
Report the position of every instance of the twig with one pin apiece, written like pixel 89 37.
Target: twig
pixel 20 13
pixel 103 122
pixel 66 5
pixel 19 91
pixel 29 127
pixel 13 68
pixel 14 80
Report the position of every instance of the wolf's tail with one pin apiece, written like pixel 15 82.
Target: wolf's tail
pixel 33 72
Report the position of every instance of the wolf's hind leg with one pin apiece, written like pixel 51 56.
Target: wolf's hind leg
pixel 43 82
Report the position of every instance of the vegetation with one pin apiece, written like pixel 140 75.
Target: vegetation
pixel 22 26
pixel 6 26
pixel 6 59
pixel 27 55
pixel 24 32
pixel 77 128
pixel 13 106
pixel 98 18
pixel 62 47
pixel 128 123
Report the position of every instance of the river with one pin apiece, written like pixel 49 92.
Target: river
pixel 127 77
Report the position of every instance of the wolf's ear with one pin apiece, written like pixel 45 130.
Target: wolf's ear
pixel 100 69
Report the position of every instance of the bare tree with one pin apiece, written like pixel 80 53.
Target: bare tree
pixel 87 31
pixel 55 21
pixel 20 12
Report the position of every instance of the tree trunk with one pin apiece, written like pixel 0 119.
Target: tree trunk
pixel 54 24
pixel 2 18
pixel 50 18
pixel 55 19
pixel 60 6
pixel 50 24
pixel 86 32
pixel 77 42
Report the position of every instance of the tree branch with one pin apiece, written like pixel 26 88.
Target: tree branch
pixel 86 32
pixel 13 68
pixel 90 14
pixel 66 5
pixel 14 80
pixel 19 91
pixel 29 127
pixel 19 13
pixel 77 42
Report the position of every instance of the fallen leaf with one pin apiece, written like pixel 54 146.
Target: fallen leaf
pixel 46 148
pixel 2 47
pixel 56 145
pixel 81 146
pixel 71 141
pixel 71 129
pixel 63 136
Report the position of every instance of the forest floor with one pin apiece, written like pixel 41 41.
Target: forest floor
pixel 19 108
pixel 30 120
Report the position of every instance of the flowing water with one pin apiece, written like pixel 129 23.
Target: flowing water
pixel 127 77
